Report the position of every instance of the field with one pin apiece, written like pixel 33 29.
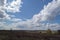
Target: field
pixel 26 35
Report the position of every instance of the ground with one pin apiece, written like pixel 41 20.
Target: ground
pixel 25 35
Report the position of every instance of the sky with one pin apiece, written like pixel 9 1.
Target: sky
pixel 29 14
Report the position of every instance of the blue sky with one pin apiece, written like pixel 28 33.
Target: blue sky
pixel 30 14
pixel 31 7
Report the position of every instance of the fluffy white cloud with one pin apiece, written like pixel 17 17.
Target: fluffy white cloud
pixel 26 25
pixel 3 14
pixel 49 12
pixel 2 2
pixel 14 6
pixel 16 19
pixel 5 26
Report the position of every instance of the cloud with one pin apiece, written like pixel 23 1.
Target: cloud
pixel 3 14
pixel 27 25
pixel 5 26
pixel 16 19
pixel 5 7
pixel 49 12
pixel 2 2
pixel 14 6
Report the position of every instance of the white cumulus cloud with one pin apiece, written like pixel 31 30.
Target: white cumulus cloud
pixel 14 6
pixel 48 13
